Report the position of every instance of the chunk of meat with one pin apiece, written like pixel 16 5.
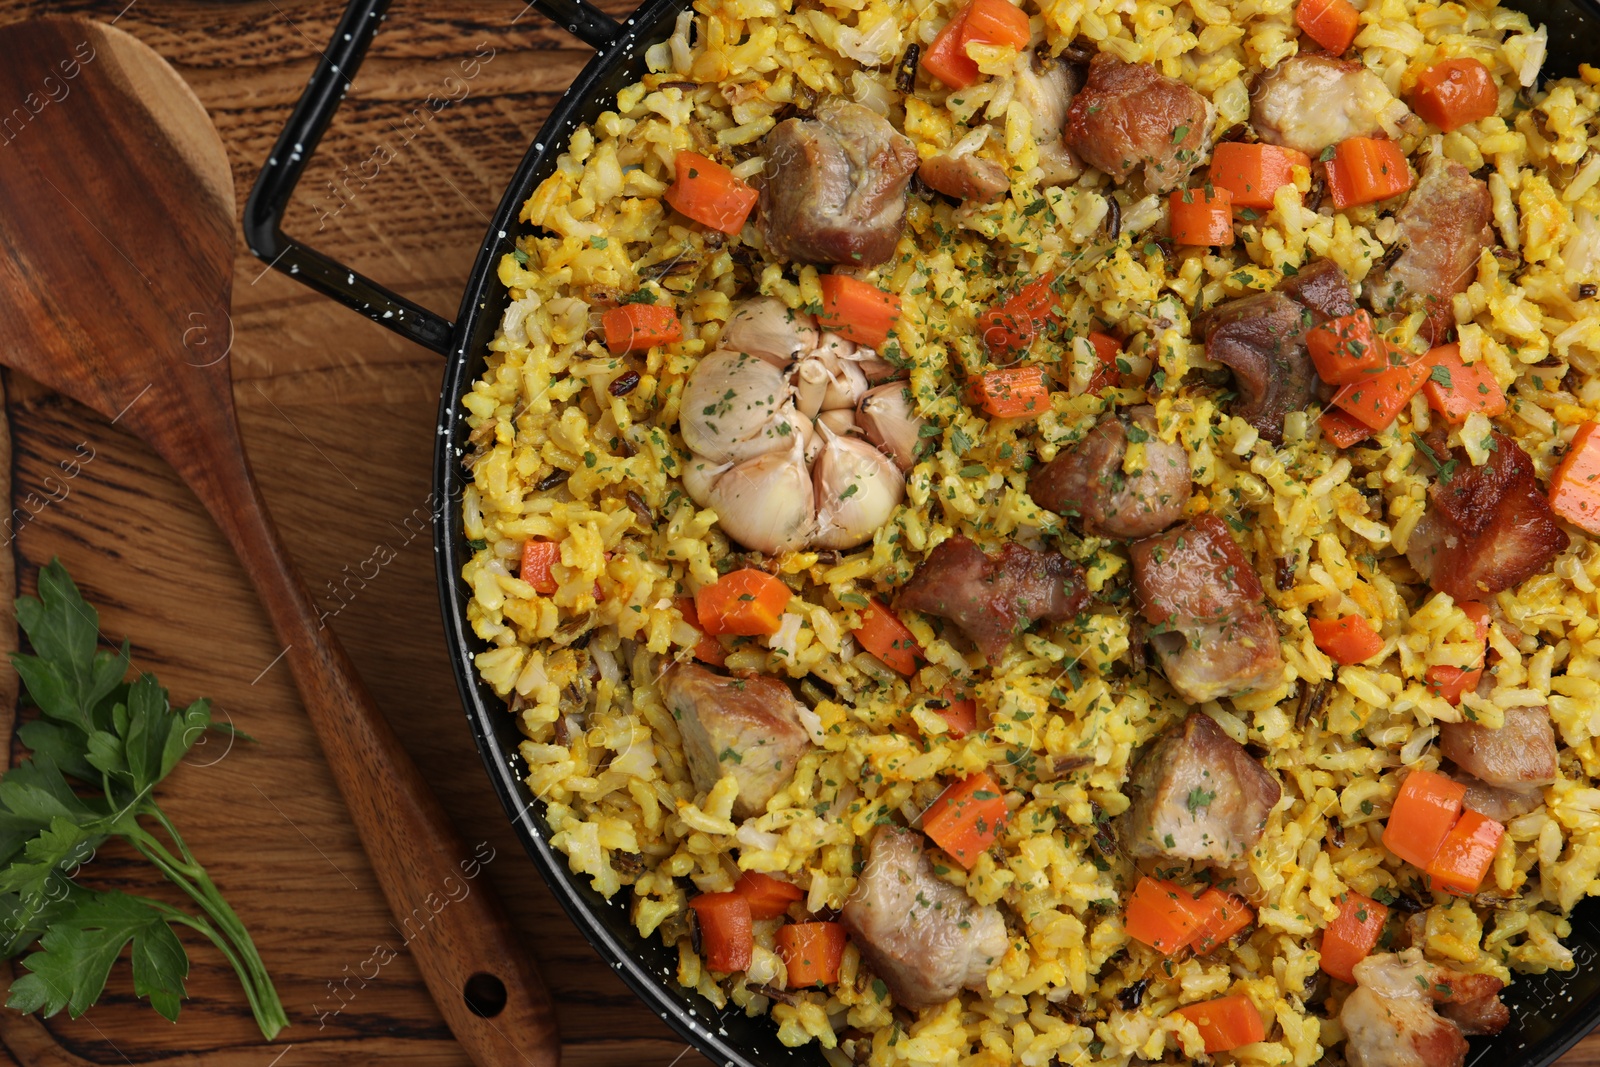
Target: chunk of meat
pixel 926 938
pixel 966 177
pixel 835 188
pixel 1198 795
pixel 1487 528
pixel 1045 88
pixel 1262 339
pixel 1521 755
pixel 1390 1021
pixel 748 727
pixel 1131 121
pixel 1202 598
pixel 1309 102
pixel 1088 481
pixel 994 598
pixel 1499 804
pixel 1444 227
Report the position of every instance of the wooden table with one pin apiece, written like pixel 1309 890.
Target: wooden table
pixel 338 417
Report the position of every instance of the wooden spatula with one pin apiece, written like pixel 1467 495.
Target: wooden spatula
pixel 116 262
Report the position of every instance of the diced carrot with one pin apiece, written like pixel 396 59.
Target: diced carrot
pixel 811 952
pixel 1456 390
pixel 1163 915
pixel 1449 683
pixel 708 193
pixel 946 58
pixel 1330 23
pixel 1201 216
pixel 769 897
pixel 1227 1022
pixel 1106 349
pixel 1347 639
pixel 1351 937
pixel 1454 93
pixel 636 327
pixel 1378 398
pixel 538 556
pixel 965 819
pixel 1347 349
pixel 1575 486
pixel 726 939
pixel 961 715
pixel 1466 854
pixel 996 22
pixel 1341 429
pixel 1364 170
pixel 746 602
pixel 883 634
pixel 856 310
pixel 1011 327
pixel 1223 915
pixel 1011 392
pixel 1423 814
pixel 709 649
pixel 1253 173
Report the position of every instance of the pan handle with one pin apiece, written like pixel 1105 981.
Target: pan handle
pixel 269 198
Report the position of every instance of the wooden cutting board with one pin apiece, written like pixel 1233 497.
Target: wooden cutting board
pixel 338 418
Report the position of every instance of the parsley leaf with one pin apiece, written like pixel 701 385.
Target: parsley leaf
pixel 117 741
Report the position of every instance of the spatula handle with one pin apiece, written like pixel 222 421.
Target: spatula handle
pixel 445 911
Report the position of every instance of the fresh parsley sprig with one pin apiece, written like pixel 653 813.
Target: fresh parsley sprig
pixel 116 740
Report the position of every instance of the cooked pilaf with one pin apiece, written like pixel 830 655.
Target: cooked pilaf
pixel 580 446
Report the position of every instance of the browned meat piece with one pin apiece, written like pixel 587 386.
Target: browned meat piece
pixel 1088 481
pixel 1045 88
pixel 926 938
pixel 1444 227
pixel 1502 805
pixel 1487 528
pixel 994 598
pixel 965 177
pixel 1390 1020
pixel 1202 599
pixel 1521 755
pixel 1309 102
pixel 1198 795
pixel 1262 339
pixel 1320 285
pixel 835 189
pixel 1129 117
pixel 748 727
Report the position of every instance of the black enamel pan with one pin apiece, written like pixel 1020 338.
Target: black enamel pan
pixel 1549 1013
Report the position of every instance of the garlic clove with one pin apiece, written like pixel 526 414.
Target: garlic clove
pixel 811 384
pixel 887 417
pixel 846 384
pixel 735 406
pixel 699 476
pixel 766 327
pixel 832 346
pixel 857 490
pixel 840 420
pixel 767 503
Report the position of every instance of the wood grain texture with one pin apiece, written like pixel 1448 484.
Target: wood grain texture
pixel 146 347
pixel 337 416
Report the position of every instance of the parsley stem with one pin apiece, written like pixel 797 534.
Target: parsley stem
pixel 192 878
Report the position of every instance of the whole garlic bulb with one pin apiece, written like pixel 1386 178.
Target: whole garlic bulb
pixel 886 415
pixel 765 326
pixel 735 406
pixel 766 503
pixel 857 489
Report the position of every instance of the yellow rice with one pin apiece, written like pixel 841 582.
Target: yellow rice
pixel 604 756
